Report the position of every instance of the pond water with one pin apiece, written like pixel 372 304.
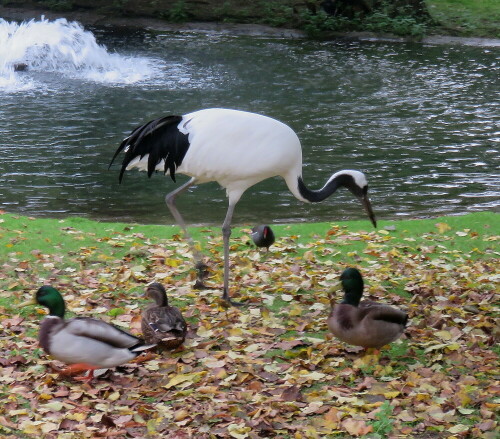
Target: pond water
pixel 421 121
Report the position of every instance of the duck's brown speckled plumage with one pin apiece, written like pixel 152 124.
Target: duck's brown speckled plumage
pixel 162 324
pixel 367 324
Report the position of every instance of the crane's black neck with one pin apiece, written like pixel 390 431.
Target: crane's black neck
pixel 314 196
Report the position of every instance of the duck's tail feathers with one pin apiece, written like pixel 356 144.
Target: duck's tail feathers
pixel 140 347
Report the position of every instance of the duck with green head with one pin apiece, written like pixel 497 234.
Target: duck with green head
pixel 82 342
pixel 364 323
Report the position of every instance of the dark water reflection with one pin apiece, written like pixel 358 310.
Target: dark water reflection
pixel 421 121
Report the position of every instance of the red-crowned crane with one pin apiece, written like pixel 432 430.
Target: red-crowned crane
pixel 235 148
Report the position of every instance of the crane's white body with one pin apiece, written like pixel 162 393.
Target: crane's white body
pixel 237 149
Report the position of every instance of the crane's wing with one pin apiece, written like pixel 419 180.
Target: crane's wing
pixel 160 141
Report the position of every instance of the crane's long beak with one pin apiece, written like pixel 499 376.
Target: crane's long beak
pixel 368 207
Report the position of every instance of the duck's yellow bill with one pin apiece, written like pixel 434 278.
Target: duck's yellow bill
pixel 27 303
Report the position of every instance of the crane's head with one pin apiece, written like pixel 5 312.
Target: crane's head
pixel 357 183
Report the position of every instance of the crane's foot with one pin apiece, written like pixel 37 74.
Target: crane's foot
pixel 229 301
pixel 202 269
pixel 200 285
pixel 203 273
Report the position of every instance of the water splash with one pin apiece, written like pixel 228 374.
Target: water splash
pixel 64 48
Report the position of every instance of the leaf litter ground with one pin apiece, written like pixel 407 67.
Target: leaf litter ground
pixel 269 369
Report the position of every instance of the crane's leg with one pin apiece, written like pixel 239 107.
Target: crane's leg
pixel 170 200
pixel 226 233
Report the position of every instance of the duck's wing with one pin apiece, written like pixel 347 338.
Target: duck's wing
pixel 101 331
pixel 166 319
pixel 342 318
pixel 384 313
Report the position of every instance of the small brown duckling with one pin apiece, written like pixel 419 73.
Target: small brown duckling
pixel 162 324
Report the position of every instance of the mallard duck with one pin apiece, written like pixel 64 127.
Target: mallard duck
pixel 368 324
pixel 82 342
pixel 263 236
pixel 162 324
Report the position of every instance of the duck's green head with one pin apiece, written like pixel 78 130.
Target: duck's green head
pixel 352 284
pixel 51 298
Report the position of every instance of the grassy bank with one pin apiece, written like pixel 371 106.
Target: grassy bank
pixel 269 369
pixel 478 18
pixel 467 18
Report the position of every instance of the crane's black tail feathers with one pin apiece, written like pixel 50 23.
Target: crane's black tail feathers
pixel 161 139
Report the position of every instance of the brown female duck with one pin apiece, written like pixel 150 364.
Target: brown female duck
pixel 162 324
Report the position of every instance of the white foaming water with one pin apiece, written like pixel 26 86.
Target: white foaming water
pixel 65 48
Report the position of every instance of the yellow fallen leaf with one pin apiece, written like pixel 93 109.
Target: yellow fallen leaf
pixel 459 428
pixel 151 426
pixel 313 376
pixel 442 227
pixel 356 427
pixel 31 427
pixel 295 310
pixel 114 396
pixel 18 412
pixel 189 378
pixel 76 416
pixel 47 427
pixel 204 333
pixel 213 363
pixel 173 262
pixel 206 390
pixel 331 421
pixel 253 348
pixel 312 407
pixel 180 415
pixel 54 406
pixel 444 335
pixel 238 431
pixel 450 346
pixel 308 256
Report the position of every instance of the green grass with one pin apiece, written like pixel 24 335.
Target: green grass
pixel 479 18
pixel 26 237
